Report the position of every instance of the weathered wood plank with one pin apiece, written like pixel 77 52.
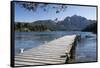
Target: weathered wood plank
pixel 19 63
pixel 42 57
pixel 48 61
pixel 49 53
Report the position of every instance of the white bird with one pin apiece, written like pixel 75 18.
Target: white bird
pixel 22 50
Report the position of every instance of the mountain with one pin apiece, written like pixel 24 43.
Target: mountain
pixel 51 25
pixel 74 23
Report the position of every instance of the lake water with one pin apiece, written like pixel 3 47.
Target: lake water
pixel 85 50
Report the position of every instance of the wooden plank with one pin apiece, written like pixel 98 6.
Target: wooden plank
pixel 49 53
pixel 18 63
pixel 41 57
pixel 38 61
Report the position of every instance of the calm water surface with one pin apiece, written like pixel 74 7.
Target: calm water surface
pixel 85 50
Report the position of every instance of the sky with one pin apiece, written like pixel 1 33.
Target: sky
pixel 23 15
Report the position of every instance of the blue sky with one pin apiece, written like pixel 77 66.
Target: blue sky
pixel 23 15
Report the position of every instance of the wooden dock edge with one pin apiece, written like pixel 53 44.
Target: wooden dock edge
pixel 71 56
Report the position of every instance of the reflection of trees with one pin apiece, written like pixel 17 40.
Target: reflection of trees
pixel 31 6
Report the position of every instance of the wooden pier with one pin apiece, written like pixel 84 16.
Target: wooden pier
pixel 58 51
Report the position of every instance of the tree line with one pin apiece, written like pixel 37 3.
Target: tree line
pixel 27 27
pixel 91 28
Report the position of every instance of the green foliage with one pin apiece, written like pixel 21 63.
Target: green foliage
pixel 31 6
pixel 91 28
pixel 27 27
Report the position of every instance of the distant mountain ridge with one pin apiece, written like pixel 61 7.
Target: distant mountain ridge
pixel 69 23
pixel 73 23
